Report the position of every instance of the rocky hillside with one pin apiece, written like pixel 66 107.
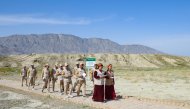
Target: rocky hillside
pixel 125 61
pixel 62 43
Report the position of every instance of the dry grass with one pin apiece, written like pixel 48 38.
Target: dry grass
pixel 159 75
pixel 134 67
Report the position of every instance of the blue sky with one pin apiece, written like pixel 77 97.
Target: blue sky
pixel 160 24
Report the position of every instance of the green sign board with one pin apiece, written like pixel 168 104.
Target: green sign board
pixel 90 59
pixel 90 62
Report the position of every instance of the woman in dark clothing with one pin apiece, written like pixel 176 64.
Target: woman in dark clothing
pixel 99 76
pixel 109 89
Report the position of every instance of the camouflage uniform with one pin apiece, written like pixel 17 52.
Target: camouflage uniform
pixel 92 70
pixel 82 81
pixel 67 80
pixel 60 78
pixel 32 72
pixel 53 77
pixel 46 78
pixel 24 76
pixel 75 78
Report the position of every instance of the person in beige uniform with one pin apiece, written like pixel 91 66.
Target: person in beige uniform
pixel 92 70
pixel 23 75
pixel 53 76
pixel 81 74
pixel 75 77
pixel 67 74
pixel 46 78
pixel 32 73
pixel 60 78
pixel 91 74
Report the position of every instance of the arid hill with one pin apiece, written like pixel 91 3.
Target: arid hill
pixel 62 43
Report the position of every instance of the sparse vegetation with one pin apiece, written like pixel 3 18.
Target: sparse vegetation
pixel 133 67
pixel 136 75
pixel 159 75
pixel 8 71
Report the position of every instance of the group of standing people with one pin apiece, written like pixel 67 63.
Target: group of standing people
pixel 103 81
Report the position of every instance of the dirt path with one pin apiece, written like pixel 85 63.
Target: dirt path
pixel 129 103
pixel 17 99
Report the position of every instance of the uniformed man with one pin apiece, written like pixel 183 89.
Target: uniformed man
pixel 67 80
pixel 46 77
pixel 23 75
pixel 81 74
pixel 75 77
pixel 60 78
pixel 92 70
pixel 53 76
pixel 32 74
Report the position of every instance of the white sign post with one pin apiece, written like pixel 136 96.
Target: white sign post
pixel 90 63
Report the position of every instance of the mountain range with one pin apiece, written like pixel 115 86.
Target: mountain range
pixel 64 43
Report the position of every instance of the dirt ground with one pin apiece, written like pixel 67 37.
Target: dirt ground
pixel 18 99
pixel 36 99
pixel 177 90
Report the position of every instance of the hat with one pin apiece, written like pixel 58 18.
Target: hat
pixel 77 63
pixel 81 63
pixel 66 64
pixel 46 65
pixel 60 65
pixel 32 64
